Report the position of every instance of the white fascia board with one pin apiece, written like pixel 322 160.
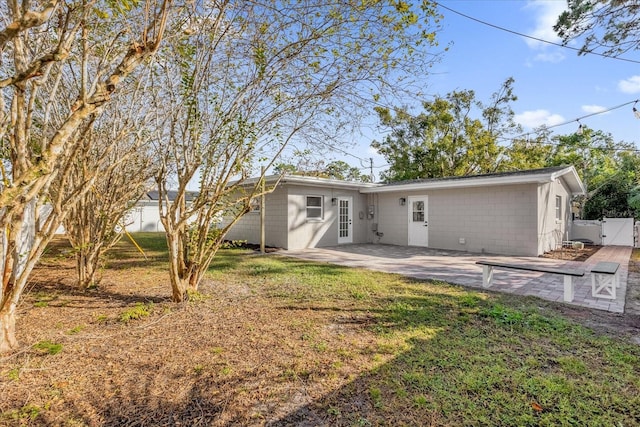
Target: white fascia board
pixel 570 175
pixel 310 181
pixel 463 183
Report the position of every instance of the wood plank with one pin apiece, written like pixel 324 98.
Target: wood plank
pixel 605 267
pixel 577 272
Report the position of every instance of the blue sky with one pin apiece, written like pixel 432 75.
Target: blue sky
pixel 553 84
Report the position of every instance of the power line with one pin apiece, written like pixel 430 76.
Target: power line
pixel 511 139
pixel 532 37
pixel 333 147
pixel 524 135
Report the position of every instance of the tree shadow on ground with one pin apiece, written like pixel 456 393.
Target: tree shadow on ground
pixel 59 294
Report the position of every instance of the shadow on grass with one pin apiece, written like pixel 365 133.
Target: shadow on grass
pixel 140 400
pixel 463 375
pixel 445 358
pixel 64 295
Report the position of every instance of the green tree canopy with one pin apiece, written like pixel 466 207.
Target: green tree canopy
pixel 616 190
pixel 446 139
pixel 593 153
pixel 612 199
pixel 336 169
pixel 611 27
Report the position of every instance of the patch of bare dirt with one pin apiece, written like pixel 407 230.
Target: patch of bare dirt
pixel 233 357
pixel 572 254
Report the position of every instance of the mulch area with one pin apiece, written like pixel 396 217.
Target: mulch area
pixel 572 254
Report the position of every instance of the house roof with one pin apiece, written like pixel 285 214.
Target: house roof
pixel 189 196
pixel 313 181
pixel 568 173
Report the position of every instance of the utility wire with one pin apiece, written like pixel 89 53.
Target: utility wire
pixel 514 138
pixel 511 139
pixel 534 38
pixel 521 35
pixel 524 135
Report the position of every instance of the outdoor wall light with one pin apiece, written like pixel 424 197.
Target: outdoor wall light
pixel 403 201
pixel 334 201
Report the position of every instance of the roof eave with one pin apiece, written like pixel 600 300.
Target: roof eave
pixel 462 183
pixel 572 178
pixel 311 181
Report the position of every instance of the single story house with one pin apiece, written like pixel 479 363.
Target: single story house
pixel 515 213
pixel 145 215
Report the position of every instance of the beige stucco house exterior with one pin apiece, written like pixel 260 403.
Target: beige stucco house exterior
pixel 514 213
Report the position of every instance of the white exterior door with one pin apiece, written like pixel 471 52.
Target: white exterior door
pixel 418 221
pixel 345 220
pixel 617 231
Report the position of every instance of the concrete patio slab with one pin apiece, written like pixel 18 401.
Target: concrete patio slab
pixel 461 268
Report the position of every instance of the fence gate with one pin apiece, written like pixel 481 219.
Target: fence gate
pixel 617 231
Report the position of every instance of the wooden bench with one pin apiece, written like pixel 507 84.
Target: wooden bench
pixel 605 278
pixel 568 273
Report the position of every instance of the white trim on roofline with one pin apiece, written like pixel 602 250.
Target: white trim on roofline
pixel 312 181
pixel 573 180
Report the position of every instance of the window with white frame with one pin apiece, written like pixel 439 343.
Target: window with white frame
pixel 255 205
pixel 558 208
pixel 314 207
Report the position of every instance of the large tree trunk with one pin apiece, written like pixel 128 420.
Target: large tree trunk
pixel 8 341
pixel 185 276
pixel 17 244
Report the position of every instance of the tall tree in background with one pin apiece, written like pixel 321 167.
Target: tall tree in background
pixel 610 171
pixel 593 153
pixel 113 161
pixel 446 139
pixel 529 152
pixel 61 64
pixel 610 27
pixel 305 166
pixel 341 170
pixel 250 78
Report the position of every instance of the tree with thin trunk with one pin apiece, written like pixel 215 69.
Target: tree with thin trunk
pixel 61 64
pixel 254 77
pixel 114 160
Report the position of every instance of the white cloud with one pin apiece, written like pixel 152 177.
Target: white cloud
pixel 593 109
pixel 536 118
pixel 630 85
pixel 546 14
pixel 553 57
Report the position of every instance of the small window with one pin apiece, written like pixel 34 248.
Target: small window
pixel 418 211
pixel 314 207
pixel 558 208
pixel 255 205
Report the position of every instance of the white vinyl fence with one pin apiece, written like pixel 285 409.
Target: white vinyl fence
pixel 587 230
pixel 617 231
pixel 608 232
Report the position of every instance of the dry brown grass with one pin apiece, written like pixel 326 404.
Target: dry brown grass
pixel 275 341
pixel 233 357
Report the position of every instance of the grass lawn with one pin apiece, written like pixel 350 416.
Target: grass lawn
pixel 272 340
